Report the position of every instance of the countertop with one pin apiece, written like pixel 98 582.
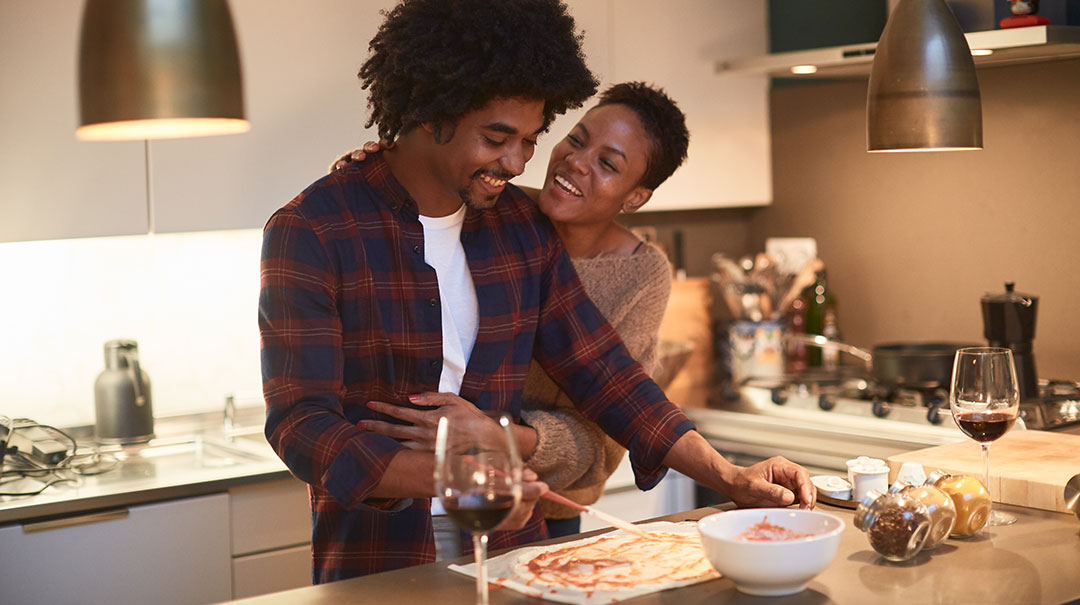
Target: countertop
pixel 192 455
pixel 1034 561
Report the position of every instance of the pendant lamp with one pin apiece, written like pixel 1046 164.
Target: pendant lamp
pixel 923 93
pixel 154 69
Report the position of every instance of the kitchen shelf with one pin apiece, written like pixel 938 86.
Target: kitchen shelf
pixel 1001 47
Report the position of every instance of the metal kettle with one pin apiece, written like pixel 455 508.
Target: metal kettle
pixel 122 397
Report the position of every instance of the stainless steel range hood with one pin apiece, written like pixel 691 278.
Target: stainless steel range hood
pixel 993 48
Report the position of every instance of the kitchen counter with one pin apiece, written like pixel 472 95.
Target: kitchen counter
pixel 191 456
pixel 1033 561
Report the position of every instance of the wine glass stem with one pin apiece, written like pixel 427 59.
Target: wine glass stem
pixel 480 553
pixel 986 471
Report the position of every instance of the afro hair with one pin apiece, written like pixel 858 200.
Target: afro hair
pixel 433 61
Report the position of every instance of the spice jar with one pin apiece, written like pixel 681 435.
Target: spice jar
pixel 896 524
pixel 970 498
pixel 938 504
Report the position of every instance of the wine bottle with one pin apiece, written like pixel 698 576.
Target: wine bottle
pixel 821 319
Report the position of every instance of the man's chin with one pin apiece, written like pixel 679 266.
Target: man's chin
pixel 478 203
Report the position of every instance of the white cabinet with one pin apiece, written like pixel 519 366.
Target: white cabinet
pixel 305 106
pixel 51 185
pixel 167 552
pixel 674 44
pixel 270 529
pixel 622 498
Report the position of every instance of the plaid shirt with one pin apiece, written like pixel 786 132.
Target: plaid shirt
pixel 349 312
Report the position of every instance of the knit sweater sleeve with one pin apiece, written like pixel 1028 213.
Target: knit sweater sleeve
pixel 572 454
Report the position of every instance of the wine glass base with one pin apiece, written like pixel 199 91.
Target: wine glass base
pixel 998 519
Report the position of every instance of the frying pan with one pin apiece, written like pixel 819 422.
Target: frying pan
pixel 915 365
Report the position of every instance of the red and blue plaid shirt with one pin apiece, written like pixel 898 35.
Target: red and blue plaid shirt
pixel 349 312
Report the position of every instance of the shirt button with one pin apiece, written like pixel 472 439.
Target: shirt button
pixel 416 249
pixel 434 302
pixel 434 363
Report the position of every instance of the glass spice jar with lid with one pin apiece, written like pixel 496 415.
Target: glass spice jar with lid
pixel 970 498
pixel 938 504
pixel 896 524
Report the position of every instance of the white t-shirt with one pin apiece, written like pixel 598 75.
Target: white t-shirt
pixel 460 314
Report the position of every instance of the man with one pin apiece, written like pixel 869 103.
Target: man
pixel 421 270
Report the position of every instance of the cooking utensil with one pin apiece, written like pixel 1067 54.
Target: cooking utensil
pixel 818 340
pixel 802 280
pixel 601 515
pixel 1072 495
pixel 915 365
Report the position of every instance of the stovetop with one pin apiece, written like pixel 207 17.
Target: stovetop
pixel 1057 406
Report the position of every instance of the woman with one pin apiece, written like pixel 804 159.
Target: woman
pixel 624 147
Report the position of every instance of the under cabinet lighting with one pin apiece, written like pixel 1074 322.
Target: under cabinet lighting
pixel 981 52
pixel 804 69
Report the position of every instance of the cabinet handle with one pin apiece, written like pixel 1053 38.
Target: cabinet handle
pixel 109 515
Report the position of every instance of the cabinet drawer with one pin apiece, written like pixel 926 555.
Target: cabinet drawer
pixel 271 571
pixel 167 552
pixel 268 516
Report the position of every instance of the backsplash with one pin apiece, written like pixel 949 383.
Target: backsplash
pixel 190 300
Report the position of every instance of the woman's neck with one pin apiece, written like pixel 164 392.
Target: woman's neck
pixel 588 241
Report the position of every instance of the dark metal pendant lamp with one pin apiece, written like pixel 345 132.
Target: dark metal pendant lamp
pixel 923 93
pixel 151 69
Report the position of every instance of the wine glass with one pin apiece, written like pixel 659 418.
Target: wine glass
pixel 478 482
pixel 985 401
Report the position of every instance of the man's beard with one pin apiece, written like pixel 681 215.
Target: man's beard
pixel 483 203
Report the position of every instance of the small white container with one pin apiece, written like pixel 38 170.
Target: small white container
pixel 863 461
pixel 832 486
pixel 911 472
pixel 866 478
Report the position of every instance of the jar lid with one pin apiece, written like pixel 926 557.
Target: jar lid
pixel 1010 297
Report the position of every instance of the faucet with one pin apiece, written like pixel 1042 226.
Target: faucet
pixel 230 413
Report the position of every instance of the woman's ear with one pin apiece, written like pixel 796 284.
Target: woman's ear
pixel 636 199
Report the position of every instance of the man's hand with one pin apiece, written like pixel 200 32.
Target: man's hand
pixel 531 491
pixel 465 417
pixel 773 482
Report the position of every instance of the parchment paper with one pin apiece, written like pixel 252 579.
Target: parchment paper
pixel 502 571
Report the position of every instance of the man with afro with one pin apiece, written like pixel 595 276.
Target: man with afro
pixel 419 277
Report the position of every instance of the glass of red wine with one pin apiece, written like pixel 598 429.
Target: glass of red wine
pixel 478 482
pixel 985 401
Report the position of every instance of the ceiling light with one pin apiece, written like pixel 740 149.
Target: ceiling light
pixel 153 69
pixel 923 93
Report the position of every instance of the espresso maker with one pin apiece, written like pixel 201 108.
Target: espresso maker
pixel 1009 321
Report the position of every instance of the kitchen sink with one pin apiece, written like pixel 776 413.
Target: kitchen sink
pixel 196 451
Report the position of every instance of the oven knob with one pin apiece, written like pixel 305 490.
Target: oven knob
pixel 933 413
pixel 826 402
pixel 880 408
pixel 779 396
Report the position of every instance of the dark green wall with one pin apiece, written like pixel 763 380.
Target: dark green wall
pixel 802 24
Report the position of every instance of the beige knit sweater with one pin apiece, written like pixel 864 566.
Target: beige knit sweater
pixel 573 455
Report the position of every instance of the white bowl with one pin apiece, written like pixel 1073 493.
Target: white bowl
pixel 771 568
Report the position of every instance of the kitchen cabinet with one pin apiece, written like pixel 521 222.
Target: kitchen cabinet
pixel 270 531
pixel 167 552
pixel 675 44
pixel 305 105
pixel 52 185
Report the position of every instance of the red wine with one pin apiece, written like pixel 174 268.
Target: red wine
pixel 479 512
pixel 985 426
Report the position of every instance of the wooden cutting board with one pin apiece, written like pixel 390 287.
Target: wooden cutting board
pixel 1027 468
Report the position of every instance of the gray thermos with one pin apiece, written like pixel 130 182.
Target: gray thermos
pixel 122 396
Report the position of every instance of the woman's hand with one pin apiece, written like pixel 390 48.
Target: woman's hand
pixel 532 489
pixel 358 155
pixel 466 418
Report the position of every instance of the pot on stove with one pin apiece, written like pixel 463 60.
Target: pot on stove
pixel 920 366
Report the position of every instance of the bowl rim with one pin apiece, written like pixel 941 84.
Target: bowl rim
pixel 839 529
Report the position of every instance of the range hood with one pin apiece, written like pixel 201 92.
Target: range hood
pixel 993 48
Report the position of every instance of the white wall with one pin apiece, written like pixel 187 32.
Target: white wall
pixel 190 300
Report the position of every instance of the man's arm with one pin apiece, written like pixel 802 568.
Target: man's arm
pixel 774 482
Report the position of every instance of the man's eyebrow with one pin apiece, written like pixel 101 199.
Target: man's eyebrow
pixel 505 128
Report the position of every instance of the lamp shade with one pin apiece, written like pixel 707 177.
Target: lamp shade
pixel 151 69
pixel 923 93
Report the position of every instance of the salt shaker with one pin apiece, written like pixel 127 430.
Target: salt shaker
pixel 970 498
pixel 938 504
pixel 896 524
